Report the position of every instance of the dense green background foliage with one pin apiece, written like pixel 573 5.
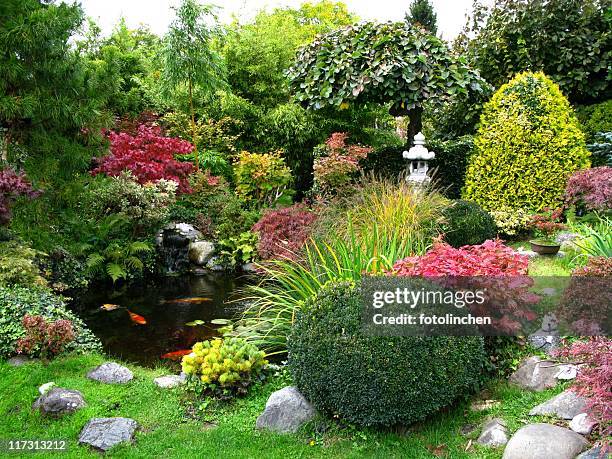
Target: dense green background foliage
pixel 375 380
pixel 421 13
pixel 569 40
pixel 528 144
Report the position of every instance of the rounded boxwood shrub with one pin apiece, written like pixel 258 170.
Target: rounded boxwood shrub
pixel 15 302
pixel 466 223
pixel 375 380
pixel 528 143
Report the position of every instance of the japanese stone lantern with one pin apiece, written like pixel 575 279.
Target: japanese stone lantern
pixel 419 158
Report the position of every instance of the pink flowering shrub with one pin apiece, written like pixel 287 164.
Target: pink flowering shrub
pixel 148 155
pixel 282 232
pixel 44 339
pixel 594 379
pixel 338 165
pixel 491 267
pixel 12 186
pixel 590 189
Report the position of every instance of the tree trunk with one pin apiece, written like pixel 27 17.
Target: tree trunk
pixel 4 145
pixel 416 124
pixel 193 128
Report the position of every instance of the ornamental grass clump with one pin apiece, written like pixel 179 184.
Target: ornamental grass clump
pixel 528 144
pixel 224 366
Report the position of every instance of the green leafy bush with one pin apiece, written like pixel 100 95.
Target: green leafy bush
pixel 119 260
pixel 16 302
pixel 18 265
pixel 511 222
pixel 262 177
pixel 450 163
pixel 145 207
pixel 595 118
pixel 528 144
pixel 240 249
pixel 375 380
pixel 466 223
pixel 225 366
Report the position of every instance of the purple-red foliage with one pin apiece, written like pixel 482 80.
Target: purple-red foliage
pixel 282 232
pixel 148 155
pixel 12 185
pixel 44 339
pixel 594 379
pixel 590 188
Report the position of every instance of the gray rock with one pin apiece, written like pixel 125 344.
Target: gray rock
pixel 595 453
pixel 20 360
pixel 567 372
pixel 286 410
pixel 250 268
pixel 582 424
pixel 544 341
pixel 104 433
pixel 111 373
pixel 59 401
pixel 494 433
pixel 215 264
pixel 566 405
pixel 46 387
pixel 535 374
pixel 529 253
pixel 169 381
pixel 188 231
pixel 200 252
pixel 544 441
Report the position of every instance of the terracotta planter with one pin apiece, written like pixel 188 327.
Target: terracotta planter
pixel 545 247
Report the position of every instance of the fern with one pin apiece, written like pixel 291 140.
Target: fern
pixel 115 272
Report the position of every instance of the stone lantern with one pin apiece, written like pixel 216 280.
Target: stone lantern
pixel 419 158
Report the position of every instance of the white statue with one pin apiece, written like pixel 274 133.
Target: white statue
pixel 418 156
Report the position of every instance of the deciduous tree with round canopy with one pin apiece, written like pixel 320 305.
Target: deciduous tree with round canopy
pixel 386 63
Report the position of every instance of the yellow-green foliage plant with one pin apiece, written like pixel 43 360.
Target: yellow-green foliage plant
pixel 224 366
pixel 528 144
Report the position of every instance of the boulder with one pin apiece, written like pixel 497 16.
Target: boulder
pixel 169 381
pixel 46 387
pixel 535 374
pixel 104 433
pixel 58 401
pixel 200 252
pixel 286 411
pixel 544 441
pixel 567 372
pixel 20 360
pixel 595 453
pixel 494 433
pixel 566 405
pixel 111 373
pixel 582 424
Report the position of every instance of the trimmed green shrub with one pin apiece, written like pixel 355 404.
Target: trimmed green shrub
pixel 528 143
pixel 450 163
pixel 16 302
pixel 18 265
pixel 466 223
pixel 595 118
pixel 375 380
pixel 385 162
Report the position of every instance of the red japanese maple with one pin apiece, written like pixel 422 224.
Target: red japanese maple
pixel 149 156
pixel 12 186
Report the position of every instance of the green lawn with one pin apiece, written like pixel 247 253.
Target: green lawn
pixel 171 427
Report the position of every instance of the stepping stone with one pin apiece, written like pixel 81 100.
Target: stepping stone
pixel 111 373
pixel 567 372
pixel 595 453
pixel 20 360
pixel 169 381
pixel 104 433
pixel 494 433
pixel 582 424
pixel 286 411
pixel 58 401
pixel 544 441
pixel 535 374
pixel 46 387
pixel 566 405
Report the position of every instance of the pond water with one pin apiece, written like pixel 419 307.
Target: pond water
pixel 166 305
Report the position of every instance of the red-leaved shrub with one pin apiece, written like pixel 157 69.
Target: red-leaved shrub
pixel 282 232
pixel 585 305
pixel 594 379
pixel 590 189
pixel 44 339
pixel 491 267
pixel 547 223
pixel 12 186
pixel 148 155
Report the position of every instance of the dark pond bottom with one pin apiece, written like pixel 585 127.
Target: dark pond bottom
pixel 167 305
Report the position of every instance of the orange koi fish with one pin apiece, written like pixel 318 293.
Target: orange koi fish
pixel 176 355
pixel 110 307
pixel 137 319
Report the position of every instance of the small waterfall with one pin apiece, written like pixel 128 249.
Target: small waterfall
pixel 173 247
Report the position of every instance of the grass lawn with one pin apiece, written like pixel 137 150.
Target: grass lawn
pixel 171 427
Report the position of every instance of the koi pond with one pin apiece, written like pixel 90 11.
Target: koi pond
pixel 141 323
